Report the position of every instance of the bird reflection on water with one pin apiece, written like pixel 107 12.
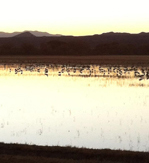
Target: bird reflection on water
pixel 141 73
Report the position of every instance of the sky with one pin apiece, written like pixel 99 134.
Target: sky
pixel 74 17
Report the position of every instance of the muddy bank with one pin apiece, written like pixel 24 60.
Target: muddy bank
pixel 102 60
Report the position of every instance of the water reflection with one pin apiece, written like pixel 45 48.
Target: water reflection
pixel 78 70
pixel 91 105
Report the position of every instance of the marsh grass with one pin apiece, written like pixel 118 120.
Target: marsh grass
pixel 17 153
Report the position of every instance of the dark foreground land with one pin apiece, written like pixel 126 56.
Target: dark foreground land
pixel 108 48
pixel 16 153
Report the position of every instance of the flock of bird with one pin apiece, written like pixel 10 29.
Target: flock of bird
pixel 82 70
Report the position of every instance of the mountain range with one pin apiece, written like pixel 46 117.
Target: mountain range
pixel 41 43
pixel 35 33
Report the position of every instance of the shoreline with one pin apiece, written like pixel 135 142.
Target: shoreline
pixel 101 60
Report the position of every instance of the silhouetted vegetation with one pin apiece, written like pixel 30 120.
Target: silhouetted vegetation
pixel 105 44
pixel 54 47
pixel 32 153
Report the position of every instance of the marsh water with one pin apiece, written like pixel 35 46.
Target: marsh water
pixel 90 106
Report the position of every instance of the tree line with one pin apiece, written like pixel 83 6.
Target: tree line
pixel 76 47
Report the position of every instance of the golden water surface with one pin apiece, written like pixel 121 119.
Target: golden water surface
pixel 89 106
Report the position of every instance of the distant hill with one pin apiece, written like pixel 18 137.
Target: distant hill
pixel 40 34
pixel 28 43
pixel 35 33
pixel 4 34
pixel 25 34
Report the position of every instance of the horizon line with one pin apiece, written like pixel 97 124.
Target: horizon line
pixel 72 34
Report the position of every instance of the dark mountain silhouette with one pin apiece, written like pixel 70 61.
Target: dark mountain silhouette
pixel 25 34
pixel 41 34
pixel 36 33
pixel 5 34
pixel 105 44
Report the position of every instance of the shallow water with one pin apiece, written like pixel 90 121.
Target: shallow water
pixel 89 106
